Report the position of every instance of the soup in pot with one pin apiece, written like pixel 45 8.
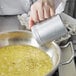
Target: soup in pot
pixel 24 60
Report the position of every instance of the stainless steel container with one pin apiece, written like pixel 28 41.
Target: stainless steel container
pixel 26 38
pixel 49 30
pixel 20 37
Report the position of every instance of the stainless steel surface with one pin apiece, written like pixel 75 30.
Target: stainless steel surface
pixel 9 23
pixel 49 30
pixel 69 22
pixel 26 38
pixel 72 53
pixel 68 69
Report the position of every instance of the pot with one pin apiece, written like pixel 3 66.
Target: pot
pixel 26 38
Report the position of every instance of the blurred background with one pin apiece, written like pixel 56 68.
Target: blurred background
pixel 70 8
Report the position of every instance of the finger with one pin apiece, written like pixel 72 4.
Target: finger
pixel 40 15
pixel 52 12
pixel 46 11
pixel 31 22
pixel 33 14
pixel 40 12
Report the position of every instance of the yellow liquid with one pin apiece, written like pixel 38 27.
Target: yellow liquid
pixel 24 60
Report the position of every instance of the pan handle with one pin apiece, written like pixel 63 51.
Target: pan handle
pixel 72 51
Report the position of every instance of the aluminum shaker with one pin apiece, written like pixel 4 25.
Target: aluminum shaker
pixel 49 30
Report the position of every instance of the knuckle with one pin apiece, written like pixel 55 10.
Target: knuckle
pixel 32 7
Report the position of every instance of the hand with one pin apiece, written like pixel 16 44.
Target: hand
pixel 40 11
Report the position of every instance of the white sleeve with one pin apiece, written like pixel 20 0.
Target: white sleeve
pixel 59 6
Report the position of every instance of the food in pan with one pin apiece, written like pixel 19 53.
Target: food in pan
pixel 24 60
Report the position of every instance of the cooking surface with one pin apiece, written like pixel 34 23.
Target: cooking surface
pixel 8 23
pixel 12 23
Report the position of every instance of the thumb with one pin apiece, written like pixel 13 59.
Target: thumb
pixel 31 22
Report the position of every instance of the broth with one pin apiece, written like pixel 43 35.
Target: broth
pixel 24 60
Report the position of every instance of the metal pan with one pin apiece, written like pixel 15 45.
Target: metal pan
pixel 26 37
